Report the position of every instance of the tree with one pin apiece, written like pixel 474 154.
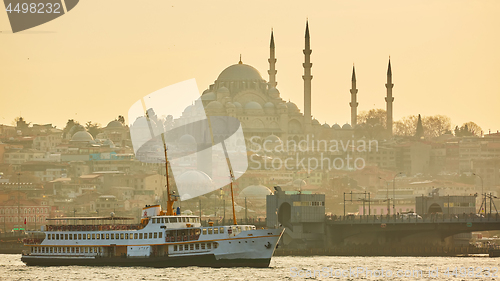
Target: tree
pixel 21 123
pixel 68 127
pixel 93 128
pixel 373 117
pixel 121 119
pixel 406 127
pixel 474 128
pixel 420 128
pixel 433 126
pixel 468 129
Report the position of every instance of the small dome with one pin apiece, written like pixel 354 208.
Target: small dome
pixel 82 136
pixel 255 192
pixel 187 139
pixel 292 106
pixel 230 105
pixel 197 181
pixel 188 110
pixel 239 72
pixel 76 128
pixel 315 122
pixel 269 105
pixel 208 96
pixel 253 105
pixel 281 105
pixel 298 183
pixel 326 126
pixel 114 125
pixel 273 92
pixel 358 127
pixel 214 105
pixel 237 104
pixel 273 138
pixel 346 127
pixel 223 90
pixel 195 176
pixel 336 126
pixel 205 92
pixel 108 142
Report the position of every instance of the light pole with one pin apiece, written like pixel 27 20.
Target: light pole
pixel 388 200
pixel 300 184
pixel 18 198
pixel 482 193
pixel 394 192
pixel 215 205
pixel 387 195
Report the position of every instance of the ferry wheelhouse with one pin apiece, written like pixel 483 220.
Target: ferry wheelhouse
pixel 160 240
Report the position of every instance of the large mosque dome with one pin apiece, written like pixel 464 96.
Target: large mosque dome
pixel 114 125
pixel 239 72
pixel 82 136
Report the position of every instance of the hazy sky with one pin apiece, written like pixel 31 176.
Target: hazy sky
pixel 96 61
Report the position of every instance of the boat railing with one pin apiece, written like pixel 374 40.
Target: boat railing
pixel 32 241
pixel 101 227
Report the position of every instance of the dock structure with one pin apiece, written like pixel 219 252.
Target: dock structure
pixel 403 230
pixel 310 232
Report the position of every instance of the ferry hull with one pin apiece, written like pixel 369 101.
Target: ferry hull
pixel 208 260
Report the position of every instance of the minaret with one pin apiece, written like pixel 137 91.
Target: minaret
pixel 353 103
pixel 272 64
pixel 307 80
pixel 389 99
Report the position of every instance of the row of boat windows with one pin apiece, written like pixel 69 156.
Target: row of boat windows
pixel 215 230
pixel 105 236
pixel 196 246
pixel 177 219
pixel 24 210
pixel 70 250
pixel 193 232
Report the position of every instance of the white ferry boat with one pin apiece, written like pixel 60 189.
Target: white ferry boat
pixel 160 240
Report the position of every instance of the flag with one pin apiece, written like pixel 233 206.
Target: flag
pixel 24 220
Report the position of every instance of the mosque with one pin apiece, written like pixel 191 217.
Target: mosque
pixel 240 91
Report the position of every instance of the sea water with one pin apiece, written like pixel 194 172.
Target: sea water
pixel 281 268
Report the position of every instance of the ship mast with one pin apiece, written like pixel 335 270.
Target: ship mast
pixel 232 194
pixel 231 178
pixel 170 201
